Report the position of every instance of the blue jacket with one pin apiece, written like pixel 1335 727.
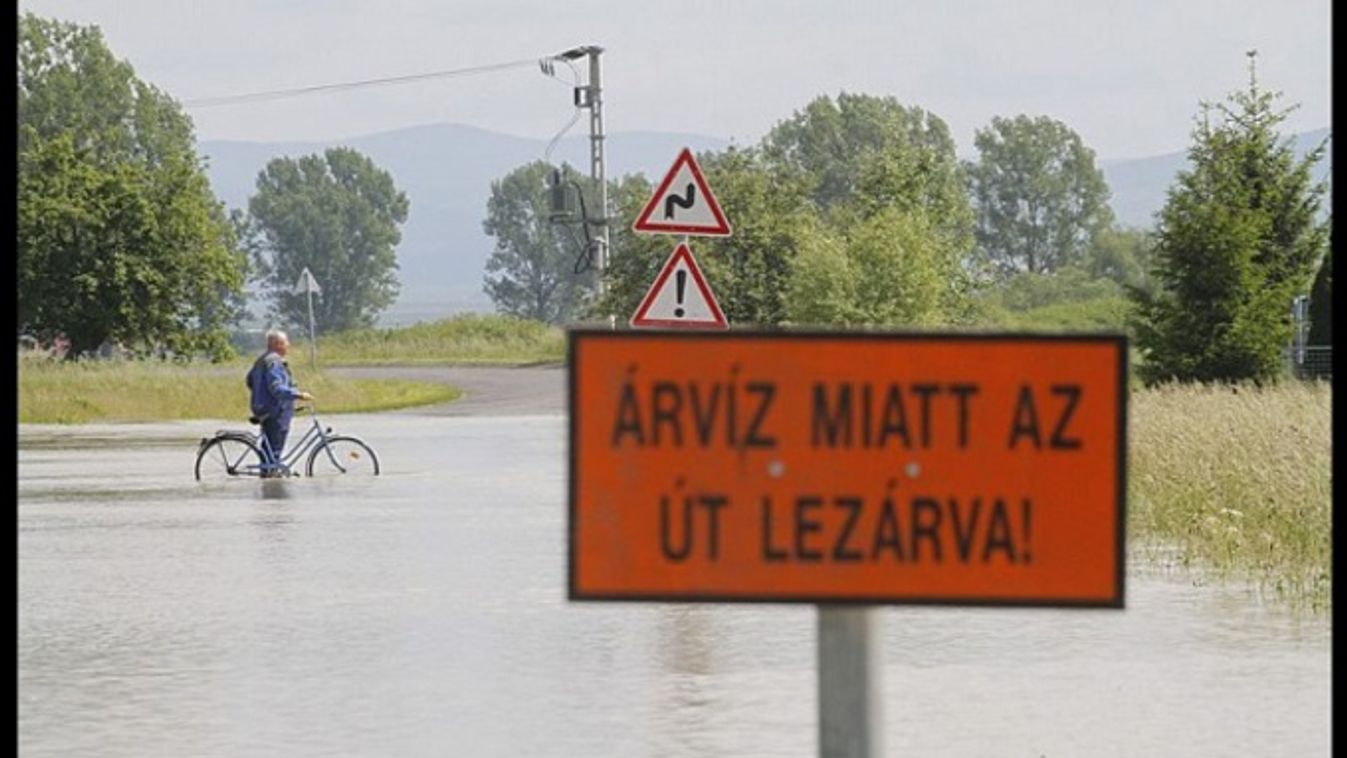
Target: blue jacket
pixel 273 390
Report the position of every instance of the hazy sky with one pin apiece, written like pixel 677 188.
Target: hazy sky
pixel 1127 75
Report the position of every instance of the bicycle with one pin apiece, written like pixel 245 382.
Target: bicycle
pixel 235 452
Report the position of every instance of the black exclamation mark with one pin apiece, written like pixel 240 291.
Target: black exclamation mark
pixel 681 284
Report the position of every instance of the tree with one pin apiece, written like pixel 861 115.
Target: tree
pixel 1039 199
pixel 867 153
pixel 769 212
pixel 336 214
pixel 893 269
pixel 1237 240
pixel 538 270
pixel 119 236
pixel 1122 255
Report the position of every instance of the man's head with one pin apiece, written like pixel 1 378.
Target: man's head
pixel 277 342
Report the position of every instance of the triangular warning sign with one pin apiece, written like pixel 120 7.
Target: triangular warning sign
pixel 683 204
pixel 679 297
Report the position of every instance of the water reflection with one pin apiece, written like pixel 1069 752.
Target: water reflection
pixel 685 646
pixel 275 489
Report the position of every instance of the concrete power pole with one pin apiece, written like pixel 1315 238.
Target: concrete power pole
pixel 597 164
pixel 591 97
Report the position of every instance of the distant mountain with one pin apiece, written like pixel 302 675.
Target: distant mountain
pixel 447 169
pixel 1140 185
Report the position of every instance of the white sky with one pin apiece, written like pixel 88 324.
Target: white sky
pixel 1126 75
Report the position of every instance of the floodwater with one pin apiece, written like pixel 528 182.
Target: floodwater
pixel 424 614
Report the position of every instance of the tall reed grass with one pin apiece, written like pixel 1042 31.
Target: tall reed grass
pixel 1238 480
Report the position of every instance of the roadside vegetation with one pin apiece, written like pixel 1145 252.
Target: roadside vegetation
pixel 465 339
pixel 1237 480
pixel 77 392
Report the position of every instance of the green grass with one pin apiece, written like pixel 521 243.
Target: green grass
pixel 466 339
pixel 1239 481
pixel 110 391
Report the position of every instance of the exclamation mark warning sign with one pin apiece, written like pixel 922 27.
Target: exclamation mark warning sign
pixel 682 277
pixel 680 297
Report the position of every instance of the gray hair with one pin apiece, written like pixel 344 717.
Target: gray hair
pixel 274 336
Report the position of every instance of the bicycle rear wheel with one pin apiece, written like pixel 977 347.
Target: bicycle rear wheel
pixel 227 457
pixel 343 456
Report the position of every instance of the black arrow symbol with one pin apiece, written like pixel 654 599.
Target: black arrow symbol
pixel 672 200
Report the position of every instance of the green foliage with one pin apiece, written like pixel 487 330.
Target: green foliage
pixel 894 269
pixel 338 215
pixel 1123 256
pixel 868 154
pixel 747 271
pixel 119 236
pixel 1071 299
pixel 538 269
pixel 770 216
pixel 1109 313
pixel 1041 202
pixel 1026 291
pixel 1321 304
pixel 1237 240
pixel 464 339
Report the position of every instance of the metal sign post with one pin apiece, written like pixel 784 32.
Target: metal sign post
pixel 308 285
pixel 850 717
pixel 313 339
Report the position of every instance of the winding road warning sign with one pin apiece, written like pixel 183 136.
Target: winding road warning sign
pixel 680 297
pixel 848 467
pixel 683 203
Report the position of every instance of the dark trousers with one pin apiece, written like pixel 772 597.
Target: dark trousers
pixel 276 429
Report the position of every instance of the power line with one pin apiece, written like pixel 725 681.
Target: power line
pixel 250 97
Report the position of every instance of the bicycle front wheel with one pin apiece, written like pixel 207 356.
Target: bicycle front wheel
pixel 226 457
pixel 343 456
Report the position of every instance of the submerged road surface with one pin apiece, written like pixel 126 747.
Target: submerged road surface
pixel 424 613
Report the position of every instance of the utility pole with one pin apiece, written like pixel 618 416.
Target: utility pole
pixel 591 97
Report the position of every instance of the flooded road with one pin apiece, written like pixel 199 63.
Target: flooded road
pixel 424 614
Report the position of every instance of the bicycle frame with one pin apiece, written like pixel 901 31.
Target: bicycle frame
pixel 314 435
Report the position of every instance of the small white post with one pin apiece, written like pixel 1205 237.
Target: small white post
pixel 313 340
pixel 850 712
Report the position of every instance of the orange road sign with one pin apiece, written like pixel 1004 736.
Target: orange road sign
pixel 847 467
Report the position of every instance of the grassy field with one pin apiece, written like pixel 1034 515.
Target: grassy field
pixel 76 393
pixel 466 339
pixel 1239 480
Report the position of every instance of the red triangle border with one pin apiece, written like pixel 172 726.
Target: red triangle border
pixel 680 252
pixel 643 222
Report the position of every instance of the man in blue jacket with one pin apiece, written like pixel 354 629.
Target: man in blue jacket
pixel 274 394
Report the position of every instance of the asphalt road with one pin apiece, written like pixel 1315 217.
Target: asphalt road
pixel 487 390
